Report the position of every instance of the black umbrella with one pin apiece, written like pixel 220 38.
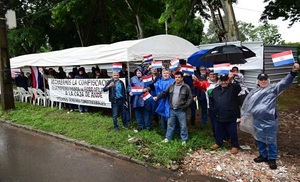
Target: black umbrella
pixel 228 54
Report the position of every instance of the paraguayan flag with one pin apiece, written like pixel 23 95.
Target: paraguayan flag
pixel 283 58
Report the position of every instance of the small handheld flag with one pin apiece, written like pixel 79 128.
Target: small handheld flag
pixel 146 96
pixel 187 69
pixel 174 64
pixel 137 90
pixel 283 58
pixel 117 66
pixel 147 78
pixel 148 59
pixel 222 68
pixel 156 64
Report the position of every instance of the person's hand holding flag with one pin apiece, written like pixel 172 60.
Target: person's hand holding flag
pixel 296 67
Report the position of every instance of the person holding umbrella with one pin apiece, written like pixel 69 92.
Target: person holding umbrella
pixel 260 108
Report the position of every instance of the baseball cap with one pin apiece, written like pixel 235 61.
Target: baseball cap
pixel 224 77
pixel 262 76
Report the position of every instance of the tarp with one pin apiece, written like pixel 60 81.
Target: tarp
pixel 162 47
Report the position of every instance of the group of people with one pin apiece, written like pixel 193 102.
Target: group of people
pixel 225 97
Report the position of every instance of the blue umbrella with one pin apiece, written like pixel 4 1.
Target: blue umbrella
pixel 195 59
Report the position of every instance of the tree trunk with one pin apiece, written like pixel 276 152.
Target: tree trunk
pixel 233 34
pixel 140 31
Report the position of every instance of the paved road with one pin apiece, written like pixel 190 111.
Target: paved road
pixel 28 156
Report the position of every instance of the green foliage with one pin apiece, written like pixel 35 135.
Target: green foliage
pixel 97 129
pixel 269 33
pixel 25 40
pixel 286 9
pixel 181 21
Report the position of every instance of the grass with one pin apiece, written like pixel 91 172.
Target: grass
pixel 96 128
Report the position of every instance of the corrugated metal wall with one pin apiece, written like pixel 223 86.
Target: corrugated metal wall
pixel 275 73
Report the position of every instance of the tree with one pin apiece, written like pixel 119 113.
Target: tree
pixel 30 36
pixel 287 9
pixel 179 19
pixel 269 33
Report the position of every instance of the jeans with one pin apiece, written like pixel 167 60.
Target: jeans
pixel 72 107
pixel 212 121
pixel 271 153
pixel 118 108
pixel 203 104
pixel 180 115
pixel 82 108
pixel 223 128
pixel 164 123
pixel 143 117
pixel 193 112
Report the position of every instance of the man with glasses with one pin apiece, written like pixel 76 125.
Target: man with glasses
pixel 260 108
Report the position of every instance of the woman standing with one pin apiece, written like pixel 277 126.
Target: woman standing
pixel 140 107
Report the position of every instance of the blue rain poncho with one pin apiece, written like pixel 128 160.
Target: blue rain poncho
pixel 259 110
pixel 163 107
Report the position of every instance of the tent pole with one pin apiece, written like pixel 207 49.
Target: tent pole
pixel 129 98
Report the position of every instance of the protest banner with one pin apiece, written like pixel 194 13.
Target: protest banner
pixel 88 92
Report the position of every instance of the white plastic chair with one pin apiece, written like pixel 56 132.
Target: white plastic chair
pixel 25 95
pixel 17 95
pixel 50 101
pixel 41 96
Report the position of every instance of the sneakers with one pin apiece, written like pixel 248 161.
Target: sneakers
pixel 234 150
pixel 183 143
pixel 215 146
pixel 272 164
pixel 165 140
pixel 260 159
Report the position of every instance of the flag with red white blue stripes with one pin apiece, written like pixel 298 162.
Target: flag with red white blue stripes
pixel 187 69
pixel 117 66
pixel 156 64
pixel 283 58
pixel 36 76
pixel 222 68
pixel 147 79
pixel 146 96
pixel 137 90
pixel 148 58
pixel 174 64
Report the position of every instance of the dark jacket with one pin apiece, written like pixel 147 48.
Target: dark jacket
pixel 185 96
pixel 225 103
pixel 112 91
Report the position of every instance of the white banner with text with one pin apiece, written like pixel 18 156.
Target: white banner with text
pixel 87 92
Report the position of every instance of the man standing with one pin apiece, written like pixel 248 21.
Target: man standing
pixel 260 104
pixel 180 98
pixel 201 74
pixel 225 105
pixel 117 97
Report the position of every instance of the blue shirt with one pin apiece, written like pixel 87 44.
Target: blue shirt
pixel 118 90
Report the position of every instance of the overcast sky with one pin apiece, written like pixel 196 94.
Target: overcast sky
pixel 250 10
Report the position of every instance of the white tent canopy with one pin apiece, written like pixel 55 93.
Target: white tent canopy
pixel 162 47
